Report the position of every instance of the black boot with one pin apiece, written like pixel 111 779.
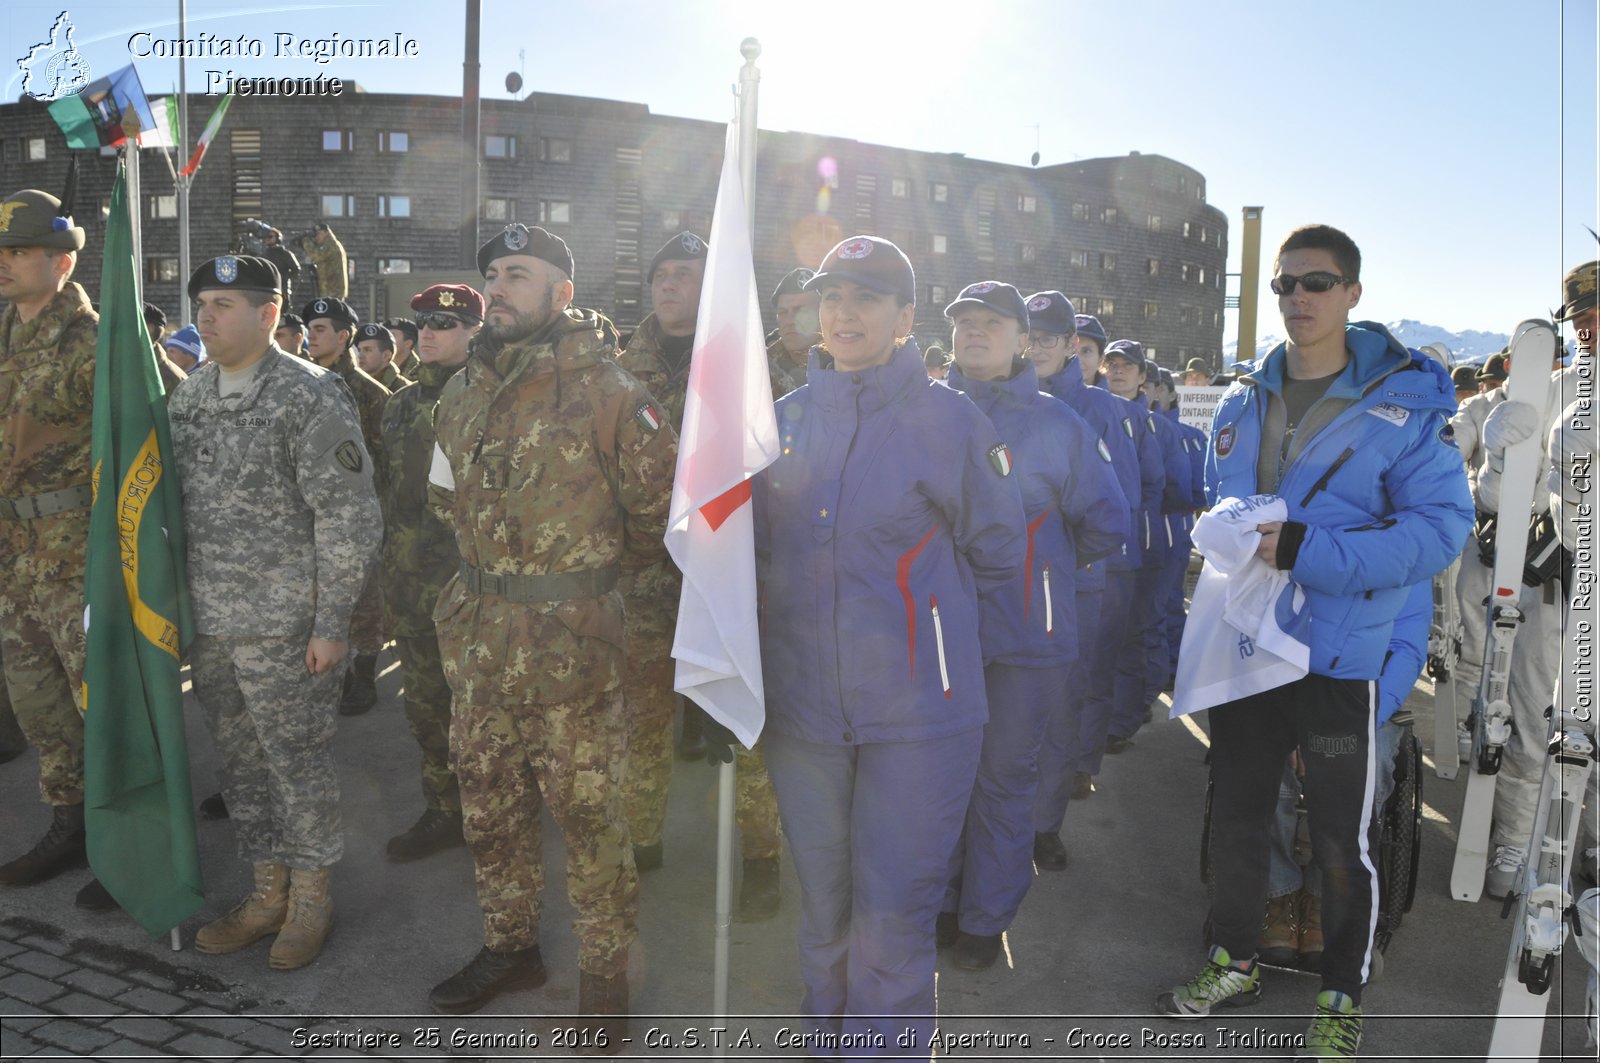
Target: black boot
pixel 436 831
pixel 1115 744
pixel 647 857
pixel 488 975
pixel 13 743
pixel 214 807
pixel 977 952
pixel 1048 852
pixel 1082 785
pixel 946 930
pixel 59 849
pixel 95 898
pixel 692 742
pixel 360 685
pixel 603 1024
pixel 758 893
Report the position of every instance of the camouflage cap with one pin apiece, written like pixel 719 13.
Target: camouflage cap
pixel 1577 289
pixel 31 218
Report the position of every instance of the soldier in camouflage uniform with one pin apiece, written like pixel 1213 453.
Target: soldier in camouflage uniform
pixel 404 332
pixel 555 468
pixel 798 331
pixel 47 351
pixel 420 555
pixel 290 335
pixel 13 743
pixel 330 332
pixel 266 440
pixel 375 356
pixel 658 355
pixel 323 250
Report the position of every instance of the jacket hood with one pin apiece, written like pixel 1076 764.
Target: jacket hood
pixel 1374 355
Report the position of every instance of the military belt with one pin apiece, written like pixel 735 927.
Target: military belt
pixel 27 507
pixel 549 587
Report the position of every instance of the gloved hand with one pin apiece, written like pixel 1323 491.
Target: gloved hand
pixel 719 742
pixel 1508 424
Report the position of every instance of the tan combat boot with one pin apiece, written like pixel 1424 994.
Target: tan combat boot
pixel 257 915
pixel 309 920
pixel 1309 920
pixel 1280 933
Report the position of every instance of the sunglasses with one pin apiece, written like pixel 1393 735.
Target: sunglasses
pixel 438 322
pixel 1315 281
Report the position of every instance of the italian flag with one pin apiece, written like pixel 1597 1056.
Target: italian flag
pixel 205 137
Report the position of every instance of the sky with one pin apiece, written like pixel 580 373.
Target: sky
pixel 1454 141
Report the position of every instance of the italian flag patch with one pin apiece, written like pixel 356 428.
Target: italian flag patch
pixel 1105 455
pixel 649 417
pixel 1000 458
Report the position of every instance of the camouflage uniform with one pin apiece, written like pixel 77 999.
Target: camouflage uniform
pixel 419 556
pixel 366 626
pixel 652 616
pixel 392 378
pixel 411 365
pixel 562 469
pixel 46 402
pixel 333 277
pixel 284 454
pixel 786 375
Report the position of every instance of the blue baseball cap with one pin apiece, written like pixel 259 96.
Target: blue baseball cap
pixel 1089 325
pixel 870 261
pixel 1132 350
pixel 1052 312
pixel 998 296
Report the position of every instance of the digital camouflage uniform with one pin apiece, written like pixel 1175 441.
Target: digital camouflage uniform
pixel 366 625
pixel 284 456
pixel 46 402
pixel 561 470
pixel 419 556
pixel 333 277
pixel 652 616
pixel 786 375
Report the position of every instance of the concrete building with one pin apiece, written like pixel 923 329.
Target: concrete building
pixel 1130 238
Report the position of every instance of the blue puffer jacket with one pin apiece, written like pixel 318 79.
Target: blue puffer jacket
pixel 1112 420
pixel 1076 514
pixel 892 510
pixel 1408 650
pixel 1381 492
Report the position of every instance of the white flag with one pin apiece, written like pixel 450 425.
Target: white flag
pixel 728 435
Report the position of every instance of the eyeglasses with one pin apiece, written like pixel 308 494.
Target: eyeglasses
pixel 438 322
pixel 1316 281
pixel 1047 341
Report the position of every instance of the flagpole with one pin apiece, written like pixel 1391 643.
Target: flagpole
pixel 183 200
pixel 749 79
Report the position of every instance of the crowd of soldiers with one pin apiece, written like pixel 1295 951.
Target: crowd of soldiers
pixel 486 485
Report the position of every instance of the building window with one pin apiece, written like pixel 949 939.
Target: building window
pixel 394 265
pixel 1216 280
pixel 555 149
pixel 1108 261
pixel 1108 308
pixel 36 149
pixel 1216 319
pixel 941 244
pixel 672 220
pixel 938 192
pixel 499 210
pixel 1028 253
pixel 1150 353
pixel 1200 190
pixel 938 295
pixel 394 141
pixel 1202 234
pixel 1183 273
pixel 899 187
pixel 1086 304
pixel 1186 229
pixel 1152 267
pixel 160 269
pixel 1108 215
pixel 1080 212
pixel 164 206
pixel 1028 204
pixel 1202 279
pixel 1153 222
pixel 338 140
pixel 1185 315
pixel 496 146
pixel 555 212
pixel 394 206
pixel 338 206
pixel 1080 259
pixel 1150 311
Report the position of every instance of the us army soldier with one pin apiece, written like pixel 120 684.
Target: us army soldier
pixel 555 468
pixel 47 346
pixel 267 440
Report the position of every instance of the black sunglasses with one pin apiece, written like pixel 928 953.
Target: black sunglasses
pixel 438 322
pixel 1316 281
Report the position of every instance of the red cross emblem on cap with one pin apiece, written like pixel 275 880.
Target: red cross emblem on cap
pixel 856 249
pixel 1039 302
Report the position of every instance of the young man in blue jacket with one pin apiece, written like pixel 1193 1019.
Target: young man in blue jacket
pixel 1351 431
pixel 1076 514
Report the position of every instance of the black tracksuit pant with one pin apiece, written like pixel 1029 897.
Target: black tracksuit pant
pixel 1332 723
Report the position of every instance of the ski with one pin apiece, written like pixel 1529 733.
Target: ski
pixel 1444 650
pixel 1533 348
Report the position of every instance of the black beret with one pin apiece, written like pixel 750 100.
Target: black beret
pixel 684 246
pixel 519 239
pixel 153 314
pixel 398 325
pixel 241 273
pixel 336 309
pixel 376 332
pixel 793 283
pixel 290 320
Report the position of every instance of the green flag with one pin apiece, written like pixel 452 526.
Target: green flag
pixel 137 807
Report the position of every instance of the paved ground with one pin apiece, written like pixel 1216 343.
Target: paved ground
pixel 1089 952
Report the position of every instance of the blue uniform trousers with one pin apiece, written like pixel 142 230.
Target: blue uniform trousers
pixel 1061 748
pixel 991 866
pixel 871 828
pixel 1099 672
pixel 1139 649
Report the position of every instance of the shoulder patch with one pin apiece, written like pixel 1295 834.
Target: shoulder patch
pixel 1150 418
pixel 1127 426
pixel 648 416
pixel 1000 458
pixel 1105 454
pixel 348 455
pixel 1225 437
pixel 1391 412
pixel 1447 435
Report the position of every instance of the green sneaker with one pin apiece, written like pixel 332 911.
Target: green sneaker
pixel 1335 1032
pixel 1223 983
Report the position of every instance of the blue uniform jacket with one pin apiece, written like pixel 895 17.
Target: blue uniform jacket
pixel 1076 514
pixel 890 512
pixel 1178 495
pixel 1381 491
pixel 1194 448
pixel 1152 479
pixel 1111 419
pixel 1408 650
